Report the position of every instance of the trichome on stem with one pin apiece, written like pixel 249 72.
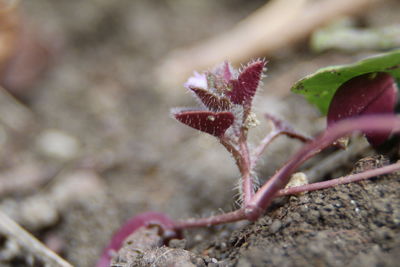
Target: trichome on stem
pixel 225 96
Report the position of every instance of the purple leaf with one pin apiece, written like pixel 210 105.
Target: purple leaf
pixel 371 93
pixel 244 88
pixel 214 123
pixel 210 100
pixel 141 220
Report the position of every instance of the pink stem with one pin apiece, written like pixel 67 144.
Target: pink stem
pixel 264 196
pixel 234 152
pixel 263 145
pixel 280 127
pixel 233 216
pixel 242 160
pixel 338 181
pixel 247 180
pixel 272 188
pixel 240 214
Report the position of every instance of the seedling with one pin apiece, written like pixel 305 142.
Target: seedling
pixel 225 96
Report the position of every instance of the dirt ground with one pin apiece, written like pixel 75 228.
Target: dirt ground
pixel 99 146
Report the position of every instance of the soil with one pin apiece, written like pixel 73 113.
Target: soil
pixel 354 225
pixel 119 153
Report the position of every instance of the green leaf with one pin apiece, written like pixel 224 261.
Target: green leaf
pixel 319 87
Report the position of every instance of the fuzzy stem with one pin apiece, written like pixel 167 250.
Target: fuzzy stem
pixel 233 216
pixel 247 179
pixel 242 160
pixel 264 196
pixel 279 127
pixel 240 213
pixel 234 152
pixel 263 145
pixel 338 181
pixel 272 188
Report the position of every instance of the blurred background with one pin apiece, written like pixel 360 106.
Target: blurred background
pixel 86 139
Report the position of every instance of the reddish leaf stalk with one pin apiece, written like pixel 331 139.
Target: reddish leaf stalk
pixel 233 216
pixel 273 188
pixel 338 181
pixel 279 128
pixel 240 213
pixel 247 179
pixel 375 123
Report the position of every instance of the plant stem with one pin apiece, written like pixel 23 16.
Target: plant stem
pixel 242 160
pixel 264 196
pixel 233 151
pixel 263 145
pixel 279 127
pixel 338 181
pixel 233 216
pixel 273 188
pixel 247 179
pixel 240 213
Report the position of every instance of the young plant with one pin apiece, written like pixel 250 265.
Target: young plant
pixel 225 97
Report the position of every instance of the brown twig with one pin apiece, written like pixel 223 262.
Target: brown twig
pixel 280 23
pixel 15 115
pixel 30 243
pixel 9 23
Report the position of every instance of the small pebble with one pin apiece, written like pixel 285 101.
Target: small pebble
pixel 198 238
pixel 304 209
pixel 207 259
pixel 275 226
pixel 58 144
pixel 199 262
pixel 223 246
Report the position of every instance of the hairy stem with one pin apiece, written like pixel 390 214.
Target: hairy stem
pixel 273 188
pixel 264 196
pixel 279 127
pixel 233 216
pixel 247 179
pixel 240 213
pixel 263 145
pixel 234 152
pixel 242 160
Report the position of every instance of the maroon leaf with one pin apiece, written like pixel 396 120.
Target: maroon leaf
pixel 214 123
pixel 210 100
pixel 145 219
pixel 244 88
pixel 371 93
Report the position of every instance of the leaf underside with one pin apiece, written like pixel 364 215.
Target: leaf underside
pixel 372 93
pixel 214 123
pixel 319 87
